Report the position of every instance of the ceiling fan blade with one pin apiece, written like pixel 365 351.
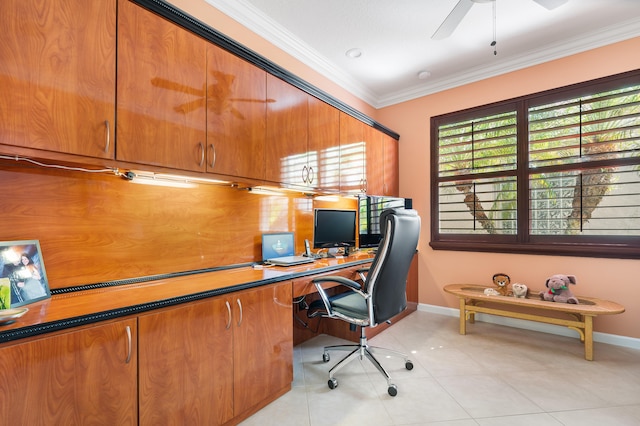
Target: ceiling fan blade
pixel 551 4
pixel 452 20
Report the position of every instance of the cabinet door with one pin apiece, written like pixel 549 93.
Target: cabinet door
pixel 286 149
pixel 374 161
pixel 161 91
pixel 391 166
pixel 236 115
pixel 57 73
pixel 323 159
pixel 352 155
pixel 262 345
pixel 78 378
pixel 186 365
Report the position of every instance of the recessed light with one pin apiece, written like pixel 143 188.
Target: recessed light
pixel 353 53
pixel 423 75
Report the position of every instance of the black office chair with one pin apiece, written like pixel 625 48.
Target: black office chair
pixel 382 296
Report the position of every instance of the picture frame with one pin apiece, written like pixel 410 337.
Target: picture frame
pixel 23 277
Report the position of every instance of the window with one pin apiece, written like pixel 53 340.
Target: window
pixel 551 173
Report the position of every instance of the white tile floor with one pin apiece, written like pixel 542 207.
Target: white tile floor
pixel 493 376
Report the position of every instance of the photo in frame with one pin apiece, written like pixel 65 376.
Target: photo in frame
pixel 23 278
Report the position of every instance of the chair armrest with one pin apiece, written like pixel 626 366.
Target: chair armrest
pixel 336 279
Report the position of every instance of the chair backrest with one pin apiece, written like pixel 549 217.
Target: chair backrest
pixel 387 277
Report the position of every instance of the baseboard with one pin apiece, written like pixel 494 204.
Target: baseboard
pixel 611 339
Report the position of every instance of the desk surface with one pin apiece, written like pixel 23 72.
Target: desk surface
pixel 88 306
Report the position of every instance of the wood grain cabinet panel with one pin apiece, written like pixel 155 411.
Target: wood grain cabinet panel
pixel 161 91
pixel 323 152
pixel 287 133
pixel 186 365
pixel 262 344
pixel 57 73
pixel 391 185
pixel 210 361
pixel 236 115
pixel 84 377
pixel 374 161
pixel 353 154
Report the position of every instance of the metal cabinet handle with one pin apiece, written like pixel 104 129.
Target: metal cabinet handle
pixel 212 149
pixel 228 314
pixel 310 178
pixel 129 345
pixel 240 306
pixel 305 174
pixel 201 146
pixel 108 142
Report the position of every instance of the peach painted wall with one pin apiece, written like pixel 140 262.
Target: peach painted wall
pixel 612 279
pixel 605 278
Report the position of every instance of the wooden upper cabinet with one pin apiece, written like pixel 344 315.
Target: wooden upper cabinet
pixel 161 99
pixel 76 378
pixel 323 153
pixel 391 165
pixel 236 115
pixel 287 133
pixel 353 154
pixel 374 161
pixel 57 73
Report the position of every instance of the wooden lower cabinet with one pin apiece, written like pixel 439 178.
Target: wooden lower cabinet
pixel 212 361
pixel 83 377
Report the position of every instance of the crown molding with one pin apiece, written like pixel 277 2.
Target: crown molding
pixel 253 19
pixel 603 37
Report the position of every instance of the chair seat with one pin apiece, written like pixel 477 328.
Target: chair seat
pixel 350 304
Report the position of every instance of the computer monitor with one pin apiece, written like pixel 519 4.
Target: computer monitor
pixel 334 228
pixel 370 207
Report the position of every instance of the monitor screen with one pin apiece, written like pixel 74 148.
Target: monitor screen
pixel 370 207
pixel 334 228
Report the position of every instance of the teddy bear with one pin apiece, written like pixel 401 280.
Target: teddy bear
pixel 502 281
pixel 558 286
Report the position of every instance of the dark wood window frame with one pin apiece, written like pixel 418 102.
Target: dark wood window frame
pixel 523 239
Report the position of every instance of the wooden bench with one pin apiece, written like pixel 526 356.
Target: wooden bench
pixel 580 315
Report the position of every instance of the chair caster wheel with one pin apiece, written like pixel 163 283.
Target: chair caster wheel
pixel 333 383
pixel 325 357
pixel 393 390
pixel 408 365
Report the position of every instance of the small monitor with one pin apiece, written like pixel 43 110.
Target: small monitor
pixel 334 228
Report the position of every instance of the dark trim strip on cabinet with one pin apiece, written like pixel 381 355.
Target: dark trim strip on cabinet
pixel 192 24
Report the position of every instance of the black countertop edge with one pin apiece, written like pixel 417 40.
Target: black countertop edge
pixel 35 330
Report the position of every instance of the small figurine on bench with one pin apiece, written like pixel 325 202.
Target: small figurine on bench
pixel 558 286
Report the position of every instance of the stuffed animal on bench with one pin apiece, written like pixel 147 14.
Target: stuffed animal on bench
pixel 502 281
pixel 558 286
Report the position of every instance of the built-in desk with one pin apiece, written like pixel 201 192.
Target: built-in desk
pixel 211 347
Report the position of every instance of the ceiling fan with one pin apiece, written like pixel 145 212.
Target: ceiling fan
pixel 462 7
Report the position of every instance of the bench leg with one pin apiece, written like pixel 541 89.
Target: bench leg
pixel 463 316
pixel 588 338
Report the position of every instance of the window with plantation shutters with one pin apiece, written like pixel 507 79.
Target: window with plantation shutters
pixel 552 173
